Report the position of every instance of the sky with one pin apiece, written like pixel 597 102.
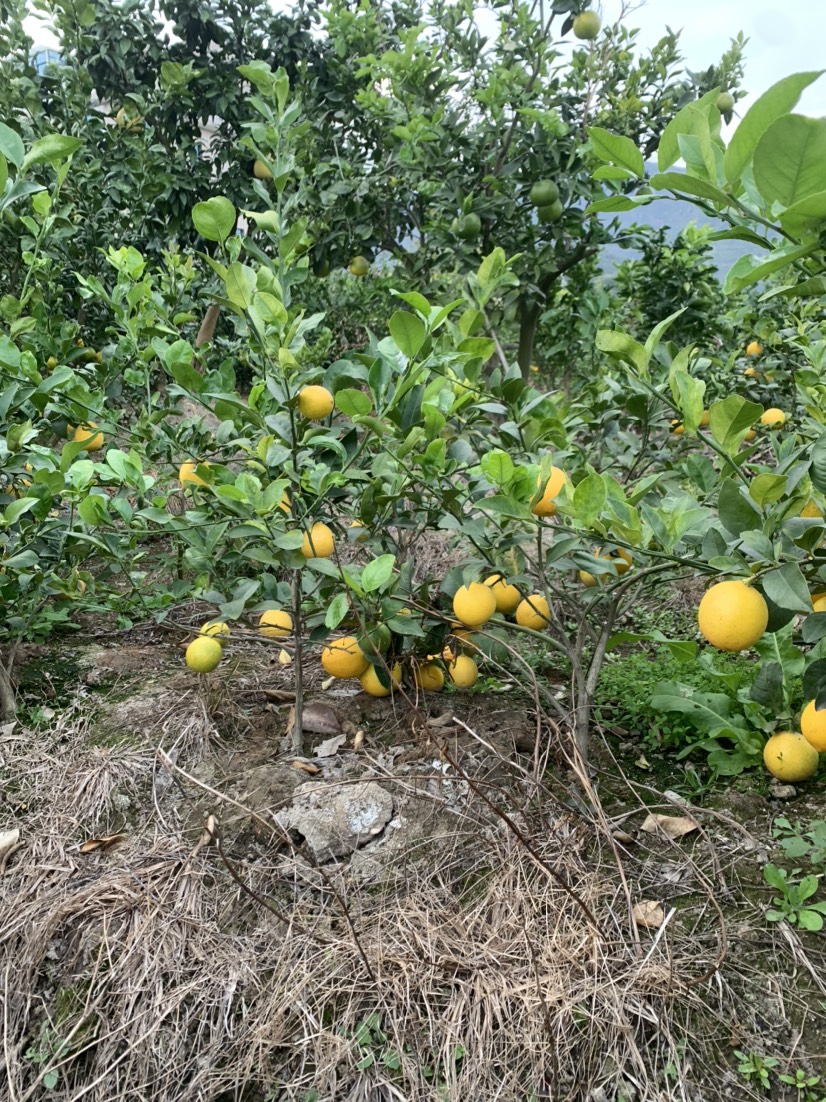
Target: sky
pixel 784 38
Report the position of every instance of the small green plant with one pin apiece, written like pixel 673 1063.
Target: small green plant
pixel 372 1043
pixel 797 842
pixel 755 1068
pixel 792 903
pixel 803 1084
pixel 48 1049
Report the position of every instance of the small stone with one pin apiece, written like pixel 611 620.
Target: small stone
pixel 335 822
pixel 782 791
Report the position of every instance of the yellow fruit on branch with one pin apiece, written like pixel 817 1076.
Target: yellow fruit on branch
pixel 315 402
pixel 819 603
pixel 732 616
pixel 677 427
pixel 789 757
pixel 586 25
pixel 463 672
pixel 360 535
pixel 588 579
pixel 372 685
pixel 773 418
pixel 344 658
pixel 275 623
pixel 203 654
pixel 188 474
pixel 813 726
pixel 751 373
pixel 507 597
pixel 85 434
pixel 219 631
pixel 546 506
pixel 754 349
pixel 534 613
pixel 359 266
pixel 704 419
pixel 429 677
pixel 474 604
pixel 260 170
pixel 750 435
pixel 319 542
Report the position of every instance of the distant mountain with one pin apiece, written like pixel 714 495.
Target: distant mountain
pixel 674 215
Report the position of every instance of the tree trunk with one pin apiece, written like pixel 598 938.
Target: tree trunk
pixel 528 321
pixel 8 708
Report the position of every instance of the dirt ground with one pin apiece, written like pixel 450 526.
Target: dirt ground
pixel 427 904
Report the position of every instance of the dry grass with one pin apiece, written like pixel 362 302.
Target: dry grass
pixel 144 972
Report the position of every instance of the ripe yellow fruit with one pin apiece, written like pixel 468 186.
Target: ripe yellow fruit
pixel 465 639
pixel 750 435
pixel 751 373
pixel 811 511
pixel 463 672
pixel 219 631
pixel 790 757
pixel 315 402
pixel 319 542
pixel 587 579
pixel 773 418
pixel 813 726
pixel 546 506
pixel 188 474
pixel 85 434
pixel 360 536
pixel 507 597
pixel 474 604
pixel 359 266
pixel 203 654
pixel 344 658
pixel 429 678
pixel 704 420
pixel 534 613
pixel 754 349
pixel 622 559
pixel 371 684
pixel 677 427
pixel 586 25
pixel 732 616
pixel 275 623
pixel 260 170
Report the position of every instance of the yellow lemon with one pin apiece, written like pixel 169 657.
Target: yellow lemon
pixel 188 474
pixel 732 616
pixel 260 171
pixel 315 402
pixel 588 579
pixel 275 623
pixel 751 373
pixel 85 434
pixel 507 597
pixel 219 631
pixel 203 654
pixel 790 757
pixel 371 684
pixel 344 658
pixel 813 726
pixel 534 613
pixel 429 677
pixel 622 560
pixel 773 418
pixel 704 420
pixel 474 604
pixel 463 672
pixel 546 506
pixel 677 427
pixel 754 349
pixel 750 435
pixel 319 542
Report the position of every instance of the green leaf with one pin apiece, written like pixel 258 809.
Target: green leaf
pixel 775 877
pixel 767 488
pixel 4 173
pixel 617 203
pixel 339 607
pixel 779 100
pixel 589 499
pixel 660 329
pixel 681 183
pixel 617 150
pixel 611 172
pixel 691 119
pixel 414 299
pixel 814 627
pixel 17 508
pixel 497 466
pixel 408 331
pixel 767 688
pixel 240 283
pixel 708 711
pixel 688 395
pixel 806 215
pixel 214 219
pixel 808 919
pixel 731 419
pixel 786 587
pixel 353 403
pixel 814 683
pixel 50 148
pixel 624 347
pixel 751 269
pixel 93 510
pixel 790 159
pixel 11 145
pixel 736 512
pixel 817 463
pixel 378 573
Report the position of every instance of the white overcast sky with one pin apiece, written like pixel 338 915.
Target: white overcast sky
pixel 783 37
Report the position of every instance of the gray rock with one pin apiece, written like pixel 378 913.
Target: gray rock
pixel 783 791
pixel 334 822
